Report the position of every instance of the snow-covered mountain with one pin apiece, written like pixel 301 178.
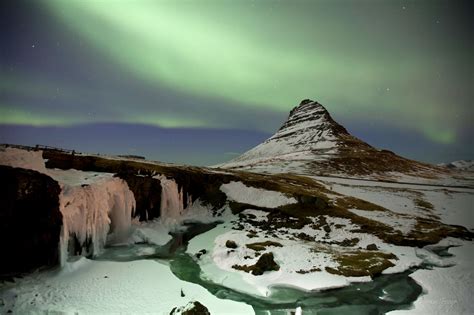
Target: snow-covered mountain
pixel 309 130
pixel 462 165
pixel 310 142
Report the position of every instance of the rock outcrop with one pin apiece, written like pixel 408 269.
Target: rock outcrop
pixel 30 220
pixel 147 191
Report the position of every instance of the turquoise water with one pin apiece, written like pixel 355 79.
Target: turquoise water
pixel 383 294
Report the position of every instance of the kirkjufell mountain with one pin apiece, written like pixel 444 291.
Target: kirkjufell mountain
pixel 311 142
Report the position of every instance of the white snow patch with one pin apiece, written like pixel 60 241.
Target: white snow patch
pixel 217 264
pixel 14 157
pixel 447 290
pixel 152 232
pixel 453 207
pixel 238 192
pixel 403 224
pixel 100 287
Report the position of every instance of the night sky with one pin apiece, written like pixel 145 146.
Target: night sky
pixel 201 81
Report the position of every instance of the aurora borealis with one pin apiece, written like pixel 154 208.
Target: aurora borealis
pixel 398 74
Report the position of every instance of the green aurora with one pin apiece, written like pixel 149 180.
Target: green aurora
pixel 406 64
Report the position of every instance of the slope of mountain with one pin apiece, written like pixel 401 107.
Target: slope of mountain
pixel 461 165
pixel 310 142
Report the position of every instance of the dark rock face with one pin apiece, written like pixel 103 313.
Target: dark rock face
pixel 195 309
pixel 266 262
pixel 230 244
pixel 310 111
pixel 147 192
pixel 30 221
pixel 372 247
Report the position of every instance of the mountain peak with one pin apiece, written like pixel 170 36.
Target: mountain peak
pixel 311 142
pixel 305 105
pixel 311 116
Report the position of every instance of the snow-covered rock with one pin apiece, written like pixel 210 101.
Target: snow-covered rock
pixel 309 128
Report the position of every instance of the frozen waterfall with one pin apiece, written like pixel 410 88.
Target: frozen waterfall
pixel 91 211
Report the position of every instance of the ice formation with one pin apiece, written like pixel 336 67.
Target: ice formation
pixel 93 210
pixel 172 206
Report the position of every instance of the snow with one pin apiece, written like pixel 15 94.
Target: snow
pixel 154 232
pixel 451 204
pixel 453 207
pixel 100 287
pixel 294 255
pixel 460 165
pixel 95 203
pixel 238 192
pixel 446 290
pixel 14 157
pixel 403 224
pixel 308 132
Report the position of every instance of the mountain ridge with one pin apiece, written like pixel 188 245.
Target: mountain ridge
pixel 311 142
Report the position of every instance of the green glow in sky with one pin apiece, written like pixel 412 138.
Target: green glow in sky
pixel 387 61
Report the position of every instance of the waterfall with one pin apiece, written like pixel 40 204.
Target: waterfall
pixel 172 206
pixel 91 211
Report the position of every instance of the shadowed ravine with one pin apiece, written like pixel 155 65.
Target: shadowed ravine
pixel 383 294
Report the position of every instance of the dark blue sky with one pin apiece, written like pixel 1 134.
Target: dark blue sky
pixel 201 82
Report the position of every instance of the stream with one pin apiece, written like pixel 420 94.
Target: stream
pixel 385 293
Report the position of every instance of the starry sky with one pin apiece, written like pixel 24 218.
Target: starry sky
pixel 199 82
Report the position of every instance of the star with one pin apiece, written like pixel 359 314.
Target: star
pixel 33 46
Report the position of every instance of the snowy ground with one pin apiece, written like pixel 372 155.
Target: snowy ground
pixel 447 290
pixel 450 205
pixel 99 287
pixel 297 259
pixel 236 191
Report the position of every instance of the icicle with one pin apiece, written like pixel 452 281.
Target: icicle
pixel 172 206
pixel 91 211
